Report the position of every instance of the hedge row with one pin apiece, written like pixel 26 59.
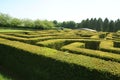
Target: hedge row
pixel 116 36
pixel 85 33
pixel 109 36
pixel 54 43
pixel 27 40
pixel 25 35
pixel 107 45
pixel 58 43
pixel 117 44
pixel 73 47
pixel 95 37
pixel 40 63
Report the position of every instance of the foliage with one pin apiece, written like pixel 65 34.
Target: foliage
pixel 75 48
pixel 117 44
pixel 8 21
pixel 4 77
pixel 54 43
pixel 105 25
pixel 109 46
pixel 61 55
pixel 34 63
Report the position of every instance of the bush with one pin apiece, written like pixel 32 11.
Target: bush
pixel 74 48
pixel 26 40
pixel 107 45
pixel 92 44
pixel 35 63
pixel 54 43
pixel 117 44
pixel 102 35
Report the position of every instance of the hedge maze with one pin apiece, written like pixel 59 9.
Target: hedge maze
pixel 61 55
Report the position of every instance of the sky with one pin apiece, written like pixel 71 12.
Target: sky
pixel 61 10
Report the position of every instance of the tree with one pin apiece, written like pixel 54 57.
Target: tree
pixel 27 23
pixel 83 24
pixel 69 24
pixel 15 22
pixel 99 25
pixel 43 24
pixel 5 19
pixel 111 26
pixel 117 25
pixel 55 22
pixel 38 24
pixel 48 24
pixel 106 25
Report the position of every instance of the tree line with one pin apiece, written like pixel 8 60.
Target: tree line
pixel 105 25
pixel 8 21
pixel 93 23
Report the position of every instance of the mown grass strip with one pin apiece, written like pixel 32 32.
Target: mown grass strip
pixel 24 60
pixel 74 47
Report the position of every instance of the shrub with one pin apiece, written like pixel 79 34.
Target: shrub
pixel 117 44
pixel 102 35
pixel 35 63
pixel 92 44
pixel 107 45
pixel 27 40
pixel 54 43
pixel 58 43
pixel 95 37
pixel 73 47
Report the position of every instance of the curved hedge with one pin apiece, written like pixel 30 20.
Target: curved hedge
pixel 107 45
pixel 74 47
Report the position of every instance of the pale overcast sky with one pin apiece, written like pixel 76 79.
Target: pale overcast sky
pixel 61 10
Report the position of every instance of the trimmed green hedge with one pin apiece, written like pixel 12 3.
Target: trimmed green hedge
pixel 27 40
pixel 73 47
pixel 58 43
pixel 92 44
pixel 117 44
pixel 103 34
pixel 54 43
pixel 23 35
pixel 40 63
pixel 107 45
